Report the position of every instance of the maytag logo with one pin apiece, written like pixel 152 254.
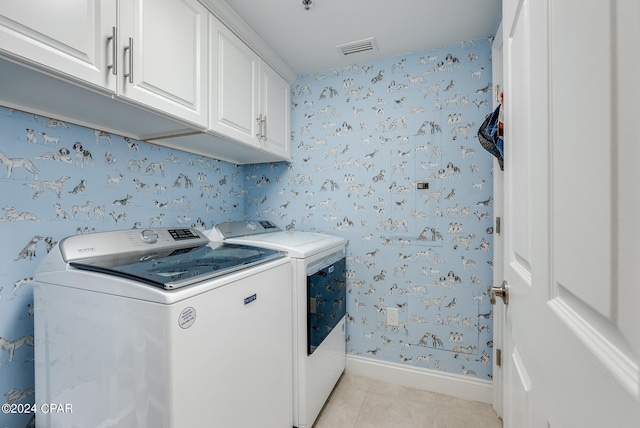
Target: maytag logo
pixel 86 250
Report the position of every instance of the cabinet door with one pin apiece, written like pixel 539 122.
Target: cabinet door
pixel 234 86
pixel 71 39
pixel 275 106
pixel 164 56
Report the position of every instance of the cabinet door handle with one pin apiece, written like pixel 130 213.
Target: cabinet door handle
pixel 130 49
pixel 260 123
pixel 113 38
pixel 264 132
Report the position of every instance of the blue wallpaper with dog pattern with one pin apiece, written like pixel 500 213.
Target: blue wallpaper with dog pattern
pixel 385 154
pixel 60 179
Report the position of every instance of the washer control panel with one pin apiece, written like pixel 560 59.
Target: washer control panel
pixel 149 236
pixel 119 242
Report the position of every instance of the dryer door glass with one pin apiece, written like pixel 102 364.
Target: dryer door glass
pixel 326 302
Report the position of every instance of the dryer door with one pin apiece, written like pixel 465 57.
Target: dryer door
pixel 326 301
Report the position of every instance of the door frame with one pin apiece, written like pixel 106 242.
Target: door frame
pixel 498 240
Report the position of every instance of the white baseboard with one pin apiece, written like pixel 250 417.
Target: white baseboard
pixel 425 379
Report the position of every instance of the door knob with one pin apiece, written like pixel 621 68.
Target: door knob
pixel 502 292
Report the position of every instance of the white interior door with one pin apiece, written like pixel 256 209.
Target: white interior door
pixel 572 103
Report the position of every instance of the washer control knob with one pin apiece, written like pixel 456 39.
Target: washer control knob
pixel 149 236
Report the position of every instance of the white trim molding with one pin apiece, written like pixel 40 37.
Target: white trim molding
pixel 428 380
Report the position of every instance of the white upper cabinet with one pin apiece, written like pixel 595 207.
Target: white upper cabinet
pixel 163 55
pixel 250 102
pixel 75 39
pixel 166 71
pixel 234 86
pixel 275 104
pixel 151 52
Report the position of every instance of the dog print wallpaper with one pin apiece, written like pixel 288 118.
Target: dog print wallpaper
pixel 58 179
pixel 386 155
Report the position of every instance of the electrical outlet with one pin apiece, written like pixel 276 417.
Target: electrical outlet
pixel 392 317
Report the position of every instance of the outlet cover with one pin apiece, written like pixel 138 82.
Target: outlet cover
pixel 392 317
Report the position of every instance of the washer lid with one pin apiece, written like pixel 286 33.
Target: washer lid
pixel 180 267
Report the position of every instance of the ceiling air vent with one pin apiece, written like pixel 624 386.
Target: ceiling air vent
pixel 358 47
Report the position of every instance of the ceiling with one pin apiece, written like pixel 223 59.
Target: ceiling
pixel 307 39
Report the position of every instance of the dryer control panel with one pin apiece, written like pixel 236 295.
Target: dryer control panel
pixel 235 229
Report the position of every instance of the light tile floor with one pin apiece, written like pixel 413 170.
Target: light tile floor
pixel 358 402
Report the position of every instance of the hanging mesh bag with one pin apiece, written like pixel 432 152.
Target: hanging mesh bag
pixel 488 137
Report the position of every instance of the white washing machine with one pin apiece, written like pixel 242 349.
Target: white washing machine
pixel 162 328
pixel 319 307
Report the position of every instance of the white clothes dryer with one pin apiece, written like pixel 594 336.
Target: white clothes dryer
pixel 319 306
